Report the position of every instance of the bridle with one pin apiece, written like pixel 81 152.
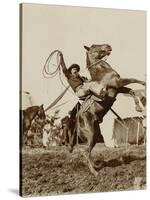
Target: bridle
pixel 95 63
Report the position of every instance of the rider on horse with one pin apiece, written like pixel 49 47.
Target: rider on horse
pixel 81 85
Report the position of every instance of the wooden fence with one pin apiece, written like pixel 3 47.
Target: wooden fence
pixel 130 130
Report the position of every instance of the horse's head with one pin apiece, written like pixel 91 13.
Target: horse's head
pixel 41 112
pixel 98 52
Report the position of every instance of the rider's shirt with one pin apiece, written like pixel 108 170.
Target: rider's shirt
pixel 74 81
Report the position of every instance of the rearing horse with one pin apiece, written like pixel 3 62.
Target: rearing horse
pixel 87 122
pixel 103 73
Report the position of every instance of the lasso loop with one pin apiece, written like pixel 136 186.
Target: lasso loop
pixel 46 69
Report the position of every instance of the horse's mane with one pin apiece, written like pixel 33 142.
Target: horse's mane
pixel 87 60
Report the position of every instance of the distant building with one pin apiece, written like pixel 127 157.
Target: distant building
pixel 115 132
pixel 130 131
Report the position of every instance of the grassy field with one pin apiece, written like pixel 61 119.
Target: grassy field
pixel 56 171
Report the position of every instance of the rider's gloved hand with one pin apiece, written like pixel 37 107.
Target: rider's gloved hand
pixel 103 93
pixel 61 58
pixel 85 79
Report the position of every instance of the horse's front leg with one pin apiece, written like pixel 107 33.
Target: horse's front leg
pixel 136 101
pixel 126 90
pixel 126 81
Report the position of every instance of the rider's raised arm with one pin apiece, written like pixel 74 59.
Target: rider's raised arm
pixel 63 65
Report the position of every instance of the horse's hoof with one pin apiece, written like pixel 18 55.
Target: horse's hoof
pixel 144 83
pixel 138 109
pixel 95 173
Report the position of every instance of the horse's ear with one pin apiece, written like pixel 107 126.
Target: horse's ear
pixel 41 106
pixel 87 48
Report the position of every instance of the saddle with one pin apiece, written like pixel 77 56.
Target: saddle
pixel 89 100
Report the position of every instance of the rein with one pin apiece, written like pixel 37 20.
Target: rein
pixel 93 64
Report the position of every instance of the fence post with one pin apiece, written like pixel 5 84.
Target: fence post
pixel 77 116
pixel 137 134
pixel 127 136
pixel 126 128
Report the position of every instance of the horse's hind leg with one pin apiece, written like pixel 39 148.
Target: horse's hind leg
pixel 90 162
pixel 92 140
pixel 97 138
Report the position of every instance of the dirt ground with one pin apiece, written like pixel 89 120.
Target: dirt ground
pixel 56 171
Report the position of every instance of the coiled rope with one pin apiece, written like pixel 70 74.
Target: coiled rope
pixel 46 69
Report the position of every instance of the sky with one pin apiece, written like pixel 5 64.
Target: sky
pixel 46 28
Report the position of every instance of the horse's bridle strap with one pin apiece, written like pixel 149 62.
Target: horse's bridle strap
pixel 94 64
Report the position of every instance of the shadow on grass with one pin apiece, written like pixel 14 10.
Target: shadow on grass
pixel 125 159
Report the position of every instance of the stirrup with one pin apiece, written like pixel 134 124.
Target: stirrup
pixel 84 97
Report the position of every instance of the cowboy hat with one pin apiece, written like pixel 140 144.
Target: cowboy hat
pixel 76 66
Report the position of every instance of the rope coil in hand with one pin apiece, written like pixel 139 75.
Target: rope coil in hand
pixel 46 69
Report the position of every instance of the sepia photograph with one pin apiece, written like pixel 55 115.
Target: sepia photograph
pixel 82 100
